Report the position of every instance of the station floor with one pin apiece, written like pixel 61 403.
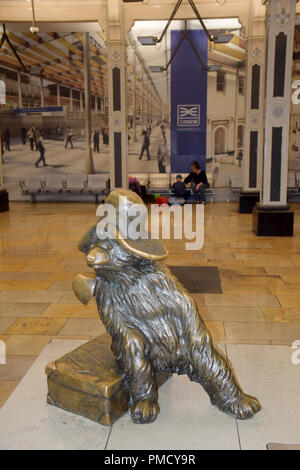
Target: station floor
pixel 260 280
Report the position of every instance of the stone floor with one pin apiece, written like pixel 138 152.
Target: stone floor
pixel 260 278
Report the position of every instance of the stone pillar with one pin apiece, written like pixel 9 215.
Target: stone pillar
pixel 20 90
pixel 272 217
pixel 142 98
pixel 134 96
pixel 255 106
pixel 117 91
pixel 81 101
pixel 58 94
pixel 42 92
pixel 89 164
pixel 71 100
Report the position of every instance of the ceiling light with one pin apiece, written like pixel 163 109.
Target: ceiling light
pixel 156 68
pixel 147 40
pixel 214 68
pixel 222 38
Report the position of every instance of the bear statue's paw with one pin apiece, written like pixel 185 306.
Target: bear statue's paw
pixel 244 407
pixel 144 411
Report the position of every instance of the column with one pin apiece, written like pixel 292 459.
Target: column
pixel 273 216
pixel 96 103
pixel 58 94
pixel 142 98
pixel 71 100
pixel 148 98
pixel 81 102
pixel 20 90
pixel 42 92
pixel 117 91
pixel 134 96
pixel 255 106
pixel 89 164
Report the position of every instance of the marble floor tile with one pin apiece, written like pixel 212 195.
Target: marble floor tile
pixel 216 329
pixel 37 326
pixel 199 299
pixel 6 388
pixel 289 300
pixel 83 327
pixel 27 422
pixel 6 322
pixel 240 300
pixel 229 288
pixel 262 331
pixel 68 298
pixel 34 296
pixel 24 285
pixel 15 368
pixel 20 276
pixel 19 309
pixel 289 315
pixel 72 311
pixel 26 345
pixel 180 424
pixel 247 314
pixel 64 286
pixel 267 372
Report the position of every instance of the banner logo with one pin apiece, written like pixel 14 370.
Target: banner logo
pixel 188 115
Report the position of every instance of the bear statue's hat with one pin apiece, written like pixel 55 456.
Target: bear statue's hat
pixel 146 248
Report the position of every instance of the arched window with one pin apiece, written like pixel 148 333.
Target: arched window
pixel 220 140
pixel 240 136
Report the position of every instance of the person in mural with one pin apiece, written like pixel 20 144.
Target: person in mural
pixel 37 136
pixel 23 135
pixel 145 146
pixel 41 147
pixel 105 136
pixel 178 188
pixel 240 158
pixel 215 170
pixel 163 130
pixel 163 157
pixel 30 135
pixel 199 182
pixel 6 139
pixel 96 140
pixel 69 138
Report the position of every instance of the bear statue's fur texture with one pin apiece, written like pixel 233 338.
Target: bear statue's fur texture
pixel 155 325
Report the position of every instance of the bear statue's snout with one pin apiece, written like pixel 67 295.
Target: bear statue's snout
pixel 97 257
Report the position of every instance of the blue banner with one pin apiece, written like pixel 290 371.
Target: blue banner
pixel 50 109
pixel 188 102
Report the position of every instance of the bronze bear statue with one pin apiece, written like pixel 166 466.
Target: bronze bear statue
pixel 154 323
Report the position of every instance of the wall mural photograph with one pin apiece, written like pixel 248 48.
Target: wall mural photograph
pixel 43 121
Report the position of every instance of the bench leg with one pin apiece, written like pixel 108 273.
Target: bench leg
pixel 33 199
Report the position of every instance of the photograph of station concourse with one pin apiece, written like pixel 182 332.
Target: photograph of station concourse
pixel 107 95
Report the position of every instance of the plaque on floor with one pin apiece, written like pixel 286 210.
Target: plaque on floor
pixel 198 279
pixel 88 382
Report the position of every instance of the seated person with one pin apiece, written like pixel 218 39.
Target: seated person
pixel 198 180
pixel 178 188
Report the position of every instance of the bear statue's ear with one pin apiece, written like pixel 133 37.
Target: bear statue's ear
pixel 89 239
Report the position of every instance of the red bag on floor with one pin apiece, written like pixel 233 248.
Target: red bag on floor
pixel 162 200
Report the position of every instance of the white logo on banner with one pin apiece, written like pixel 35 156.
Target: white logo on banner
pixel 188 115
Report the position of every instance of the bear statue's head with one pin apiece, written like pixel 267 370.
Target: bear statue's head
pixel 107 255
pixel 116 252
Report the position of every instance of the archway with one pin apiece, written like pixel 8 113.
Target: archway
pixel 220 140
pixel 240 136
